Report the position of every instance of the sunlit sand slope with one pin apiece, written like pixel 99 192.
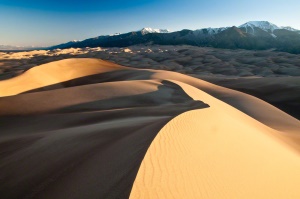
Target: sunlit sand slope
pixel 217 152
pixel 87 128
pixel 84 137
pixel 53 73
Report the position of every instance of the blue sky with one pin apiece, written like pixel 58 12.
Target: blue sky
pixel 43 23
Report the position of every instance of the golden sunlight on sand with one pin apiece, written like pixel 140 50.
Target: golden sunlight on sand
pixel 218 152
pixel 88 128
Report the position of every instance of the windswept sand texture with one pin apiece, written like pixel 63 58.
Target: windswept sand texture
pixel 217 152
pixel 88 128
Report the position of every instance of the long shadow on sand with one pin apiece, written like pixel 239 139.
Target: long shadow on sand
pixel 86 150
pixel 118 75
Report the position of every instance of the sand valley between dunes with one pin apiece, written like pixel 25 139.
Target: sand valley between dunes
pixel 88 128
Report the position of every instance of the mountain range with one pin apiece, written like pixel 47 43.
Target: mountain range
pixel 253 35
pixel 19 48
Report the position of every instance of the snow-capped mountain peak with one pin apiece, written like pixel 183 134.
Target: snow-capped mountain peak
pixel 152 30
pixel 289 28
pixel 264 25
pixel 211 31
pixel 115 34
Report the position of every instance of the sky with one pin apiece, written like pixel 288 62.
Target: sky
pixel 50 22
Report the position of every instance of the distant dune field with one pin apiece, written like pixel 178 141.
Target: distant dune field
pixel 89 128
pixel 252 72
pixel 183 59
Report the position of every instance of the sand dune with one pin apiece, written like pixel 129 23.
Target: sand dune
pixel 252 106
pixel 72 72
pixel 183 59
pixel 82 140
pixel 53 73
pixel 87 128
pixel 201 62
pixel 282 92
pixel 217 152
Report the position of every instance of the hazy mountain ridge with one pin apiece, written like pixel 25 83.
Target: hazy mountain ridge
pixel 11 47
pixel 253 35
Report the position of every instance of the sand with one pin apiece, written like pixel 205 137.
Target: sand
pixel 213 65
pixel 88 128
pixel 85 138
pixel 282 92
pixel 217 152
pixel 53 73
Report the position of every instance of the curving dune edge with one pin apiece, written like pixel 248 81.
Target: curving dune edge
pixel 88 128
pixel 217 152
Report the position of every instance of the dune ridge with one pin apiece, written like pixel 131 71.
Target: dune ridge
pixel 121 132
pixel 217 152
pixel 250 105
pixel 54 72
pixel 84 140
pixel 272 74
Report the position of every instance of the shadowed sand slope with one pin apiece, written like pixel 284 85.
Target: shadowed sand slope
pixel 80 128
pixel 74 72
pixel 252 106
pixel 282 92
pixel 217 152
pixel 279 72
pixel 84 140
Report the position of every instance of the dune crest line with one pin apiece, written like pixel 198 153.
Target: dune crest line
pixel 88 128
pixel 217 152
pixel 81 127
